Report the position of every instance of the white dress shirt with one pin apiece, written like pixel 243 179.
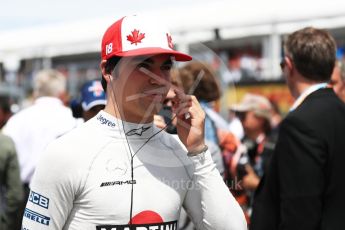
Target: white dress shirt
pixel 34 127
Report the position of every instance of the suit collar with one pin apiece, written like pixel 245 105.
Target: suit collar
pixel 306 93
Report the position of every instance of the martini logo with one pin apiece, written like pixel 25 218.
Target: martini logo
pixel 145 220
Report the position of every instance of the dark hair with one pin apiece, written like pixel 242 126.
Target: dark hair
pixel 313 52
pixel 208 88
pixel 5 104
pixel 109 68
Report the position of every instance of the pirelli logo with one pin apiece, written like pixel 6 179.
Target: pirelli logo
pixel 172 225
pixel 112 183
pixel 37 217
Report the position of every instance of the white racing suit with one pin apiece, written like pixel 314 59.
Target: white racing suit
pixel 84 181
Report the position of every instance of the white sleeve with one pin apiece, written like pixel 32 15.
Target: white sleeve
pixel 216 155
pixel 209 202
pixel 52 192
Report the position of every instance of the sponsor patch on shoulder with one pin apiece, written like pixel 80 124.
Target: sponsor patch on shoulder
pixel 38 199
pixel 37 217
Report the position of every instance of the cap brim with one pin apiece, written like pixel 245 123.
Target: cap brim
pixel 154 51
pixel 87 107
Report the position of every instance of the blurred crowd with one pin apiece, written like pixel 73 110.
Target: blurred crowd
pixel 26 133
pixel 241 144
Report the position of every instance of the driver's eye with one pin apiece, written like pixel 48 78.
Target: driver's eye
pixel 166 67
pixel 143 65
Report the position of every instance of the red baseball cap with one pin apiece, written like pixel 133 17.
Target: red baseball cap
pixel 136 36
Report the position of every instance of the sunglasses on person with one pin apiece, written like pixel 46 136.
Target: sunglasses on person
pixel 283 62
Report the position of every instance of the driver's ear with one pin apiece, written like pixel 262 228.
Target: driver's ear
pixel 105 73
pixel 289 63
pixel 102 66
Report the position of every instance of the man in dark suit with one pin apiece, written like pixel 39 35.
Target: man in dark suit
pixel 304 186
